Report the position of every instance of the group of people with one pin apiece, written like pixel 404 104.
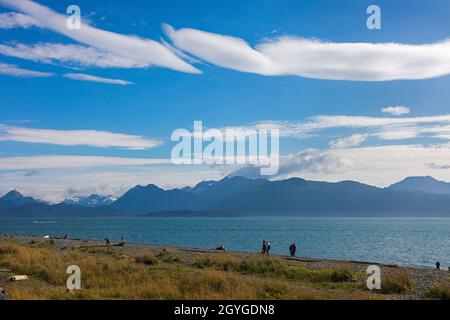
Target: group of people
pixel 266 248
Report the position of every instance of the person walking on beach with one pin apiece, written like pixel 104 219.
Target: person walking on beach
pixel 438 265
pixel 293 249
pixel 268 248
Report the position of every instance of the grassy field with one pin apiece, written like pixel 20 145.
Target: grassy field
pixel 151 272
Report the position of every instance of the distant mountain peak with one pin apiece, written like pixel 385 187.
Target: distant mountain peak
pixel 427 184
pixel 12 195
pixel 94 200
pixel 421 178
pixel 203 185
pixel 16 198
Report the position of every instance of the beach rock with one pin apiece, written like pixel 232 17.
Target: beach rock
pixel 3 295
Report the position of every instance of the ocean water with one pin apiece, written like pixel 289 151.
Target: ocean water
pixel 404 241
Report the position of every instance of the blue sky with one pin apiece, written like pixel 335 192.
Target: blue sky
pixel 144 102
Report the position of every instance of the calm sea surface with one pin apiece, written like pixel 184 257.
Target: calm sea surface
pixel 404 241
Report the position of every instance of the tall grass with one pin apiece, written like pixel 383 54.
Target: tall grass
pixel 272 267
pixel 397 282
pixel 170 274
pixel 147 259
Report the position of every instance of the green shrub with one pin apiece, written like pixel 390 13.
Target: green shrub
pixel 264 266
pixel 221 262
pixel 438 292
pixel 397 283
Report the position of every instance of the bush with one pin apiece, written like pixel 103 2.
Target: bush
pixel 263 266
pixel 8 249
pixel 221 262
pixel 397 283
pixel 439 292
pixel 272 266
pixel 169 256
pixel 147 259
pixel 333 275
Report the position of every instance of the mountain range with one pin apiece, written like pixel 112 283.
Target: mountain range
pixel 94 200
pixel 240 196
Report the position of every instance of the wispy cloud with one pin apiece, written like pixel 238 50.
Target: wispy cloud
pixel 435 126
pixel 19 121
pixel 317 59
pixel 15 71
pixel 396 111
pixel 349 142
pixel 58 162
pixel 91 78
pixel 70 55
pixel 11 20
pixel 142 51
pixel 438 166
pixel 92 138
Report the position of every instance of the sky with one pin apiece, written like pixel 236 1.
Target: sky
pixel 92 110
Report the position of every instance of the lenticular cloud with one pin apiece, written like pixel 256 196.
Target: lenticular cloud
pixel 317 59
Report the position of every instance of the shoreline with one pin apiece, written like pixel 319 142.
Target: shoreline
pixel 205 262
pixel 212 250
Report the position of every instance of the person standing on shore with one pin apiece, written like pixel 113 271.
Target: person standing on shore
pixel 268 247
pixel 293 249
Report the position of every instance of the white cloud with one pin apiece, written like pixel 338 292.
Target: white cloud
pixel 71 55
pixel 88 77
pixel 384 165
pixel 349 142
pixel 379 165
pixel 142 51
pixel 92 138
pixel 438 166
pixel 58 162
pixel 312 161
pixel 15 71
pixel 11 20
pixel 90 176
pixel 384 128
pixel 400 133
pixel 396 111
pixel 317 59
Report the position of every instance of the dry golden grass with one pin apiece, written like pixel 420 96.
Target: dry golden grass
pixel 113 273
pixel 398 282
